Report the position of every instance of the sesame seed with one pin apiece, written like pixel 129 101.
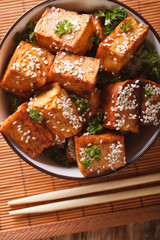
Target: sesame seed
pixel 98 171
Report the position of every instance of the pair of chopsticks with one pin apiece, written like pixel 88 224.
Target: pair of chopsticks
pixel 86 201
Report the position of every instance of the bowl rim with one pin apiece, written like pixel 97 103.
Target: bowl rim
pixel 134 159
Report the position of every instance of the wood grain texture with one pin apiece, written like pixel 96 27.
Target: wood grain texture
pixel 82 224
pixel 149 230
pixel 18 179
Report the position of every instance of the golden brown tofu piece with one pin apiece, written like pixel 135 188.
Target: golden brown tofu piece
pixel 118 47
pixel 150 103
pixel 70 150
pixel 32 136
pixel 99 29
pixel 120 104
pixel 99 154
pixel 27 70
pixel 58 110
pixel 75 73
pixel 76 40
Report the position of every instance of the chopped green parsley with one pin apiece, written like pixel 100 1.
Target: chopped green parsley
pixel 63 27
pixel 82 103
pixel 101 79
pixel 58 155
pixel 35 114
pixel 14 102
pixel 95 124
pixel 95 39
pixel 112 18
pixel 28 34
pixel 149 60
pixel 148 92
pixel 125 27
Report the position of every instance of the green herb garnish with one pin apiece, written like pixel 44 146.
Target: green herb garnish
pixel 58 155
pixel 94 153
pixel 87 162
pixel 95 39
pixel 32 38
pixel 123 75
pixel 35 114
pixel 82 103
pixel 27 35
pixel 101 79
pixel 149 60
pixel 63 27
pixel 94 125
pixel 14 102
pixel 143 64
pixel 148 92
pixel 125 27
pixel 149 56
pixel 112 18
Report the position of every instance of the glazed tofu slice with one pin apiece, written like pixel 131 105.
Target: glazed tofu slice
pixel 70 150
pixel 75 40
pixel 99 29
pixel 121 105
pixel 58 110
pixel 117 48
pixel 150 103
pixel 27 70
pixel 77 74
pixel 32 136
pixel 99 154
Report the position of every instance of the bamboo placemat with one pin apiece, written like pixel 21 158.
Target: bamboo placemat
pixel 18 179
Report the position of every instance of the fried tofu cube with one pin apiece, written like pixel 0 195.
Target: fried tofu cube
pixel 99 29
pixel 118 47
pixel 75 40
pixel 31 136
pixel 58 110
pixel 99 154
pixel 150 103
pixel 27 70
pixel 70 150
pixel 77 74
pixel 121 105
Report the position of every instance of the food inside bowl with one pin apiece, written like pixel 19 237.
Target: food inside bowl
pixel 77 83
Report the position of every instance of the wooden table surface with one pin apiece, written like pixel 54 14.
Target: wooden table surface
pixel 138 231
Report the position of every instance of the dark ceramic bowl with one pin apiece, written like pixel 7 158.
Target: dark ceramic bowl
pixel 136 144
